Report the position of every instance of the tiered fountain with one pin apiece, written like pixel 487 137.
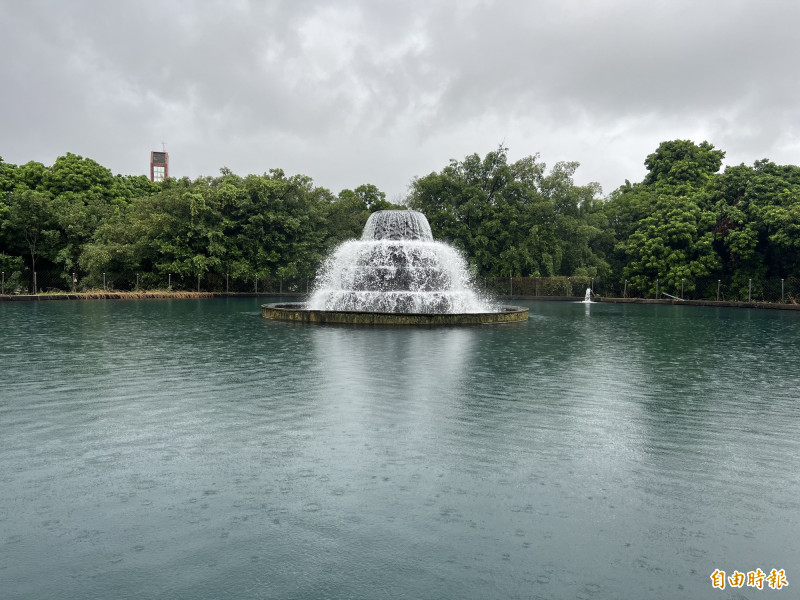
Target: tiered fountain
pixel 396 274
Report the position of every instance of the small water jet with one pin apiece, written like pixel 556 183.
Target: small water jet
pixel 395 274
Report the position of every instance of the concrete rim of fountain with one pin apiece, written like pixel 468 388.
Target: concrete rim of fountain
pixel 297 312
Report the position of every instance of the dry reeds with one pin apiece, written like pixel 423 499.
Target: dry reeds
pixel 141 295
pixel 109 295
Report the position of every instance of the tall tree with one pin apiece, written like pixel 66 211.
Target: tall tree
pixel 673 245
pixel 29 219
pixel 664 225
pixel 682 163
pixel 511 219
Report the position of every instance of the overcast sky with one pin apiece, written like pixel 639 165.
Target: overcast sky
pixel 381 91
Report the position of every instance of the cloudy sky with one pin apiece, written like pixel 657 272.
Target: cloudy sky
pixel 380 91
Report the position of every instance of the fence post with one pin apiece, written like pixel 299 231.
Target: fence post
pixel 137 282
pixel 35 287
pixel 3 289
pixel 510 286
pixel 169 281
pixel 681 288
pixel 625 290
pixel 104 281
pixel 198 282
pixel 781 291
pixel 719 281
pixel 74 282
pixel 749 290
pixel 656 288
pixel 226 283
pixel 256 284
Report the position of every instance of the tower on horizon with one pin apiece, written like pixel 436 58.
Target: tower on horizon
pixel 159 166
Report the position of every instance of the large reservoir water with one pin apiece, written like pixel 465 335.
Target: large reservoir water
pixel 192 449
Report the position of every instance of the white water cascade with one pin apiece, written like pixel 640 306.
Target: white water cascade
pixel 396 267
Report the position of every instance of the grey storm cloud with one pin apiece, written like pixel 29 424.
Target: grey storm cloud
pixel 379 92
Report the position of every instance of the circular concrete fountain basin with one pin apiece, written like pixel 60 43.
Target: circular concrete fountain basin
pixel 297 311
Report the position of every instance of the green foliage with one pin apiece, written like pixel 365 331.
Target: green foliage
pixel 684 223
pixel 682 163
pixel 345 217
pixel 29 222
pixel 268 226
pixel 756 231
pixel 513 219
pixel 688 222
pixel 73 173
pixel 8 177
pixel 673 245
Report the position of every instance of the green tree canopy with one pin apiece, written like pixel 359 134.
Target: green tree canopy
pixel 682 163
pixel 512 218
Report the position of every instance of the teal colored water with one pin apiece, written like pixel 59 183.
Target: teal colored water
pixel 191 449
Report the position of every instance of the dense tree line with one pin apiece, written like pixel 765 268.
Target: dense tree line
pixel 685 224
pixel 515 219
pixel 76 217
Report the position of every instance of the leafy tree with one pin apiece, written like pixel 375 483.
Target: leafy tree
pixel 7 183
pixel 163 233
pixel 31 175
pixel 29 221
pixel 511 219
pixel 682 163
pixel 373 199
pixel 577 236
pixel 73 173
pixel 8 177
pixel 673 244
pixel 663 226
pixel 757 222
pixel 345 217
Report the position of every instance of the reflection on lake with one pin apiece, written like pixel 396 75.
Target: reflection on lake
pixel 192 449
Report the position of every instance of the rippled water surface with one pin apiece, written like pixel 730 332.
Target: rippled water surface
pixel 191 449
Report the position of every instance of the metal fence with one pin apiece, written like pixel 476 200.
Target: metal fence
pixel 536 287
pixel 782 291
pixel 785 290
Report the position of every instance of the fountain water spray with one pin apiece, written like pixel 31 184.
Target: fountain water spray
pixel 396 274
pixel 396 267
